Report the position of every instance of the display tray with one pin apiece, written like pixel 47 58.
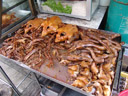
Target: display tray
pixel 59 73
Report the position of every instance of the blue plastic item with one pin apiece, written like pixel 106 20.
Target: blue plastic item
pixel 117 19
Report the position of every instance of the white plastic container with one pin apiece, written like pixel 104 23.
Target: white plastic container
pixel 104 2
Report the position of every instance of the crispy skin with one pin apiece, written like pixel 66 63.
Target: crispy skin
pixel 68 32
pixel 50 25
pixel 33 24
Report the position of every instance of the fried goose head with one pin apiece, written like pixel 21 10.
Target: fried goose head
pixel 68 32
pixel 50 25
pixel 33 24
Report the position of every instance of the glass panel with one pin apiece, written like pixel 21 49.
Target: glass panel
pixel 10 3
pixel 69 7
pixel 15 14
pixel 95 4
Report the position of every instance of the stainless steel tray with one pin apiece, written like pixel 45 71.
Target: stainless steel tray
pixel 59 73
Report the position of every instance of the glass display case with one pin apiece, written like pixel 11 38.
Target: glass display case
pixel 13 11
pixel 83 9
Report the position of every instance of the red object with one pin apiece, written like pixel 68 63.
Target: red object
pixel 124 93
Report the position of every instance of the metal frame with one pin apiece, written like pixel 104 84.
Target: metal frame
pixel 10 61
pixel 7 29
pixel 10 82
pixel 15 88
pixel 32 7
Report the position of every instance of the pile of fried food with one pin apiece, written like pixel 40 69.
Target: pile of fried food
pixel 90 54
pixel 8 19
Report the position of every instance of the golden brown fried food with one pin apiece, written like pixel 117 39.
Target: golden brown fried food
pixel 78 83
pixel 68 32
pixel 33 24
pixel 85 64
pixel 94 68
pixel 50 25
pixel 84 79
pixel 106 90
pixel 73 70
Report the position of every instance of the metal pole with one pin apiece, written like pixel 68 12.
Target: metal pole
pixel 32 7
pixel 10 82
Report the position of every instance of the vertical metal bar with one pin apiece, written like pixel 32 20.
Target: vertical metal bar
pixel 10 82
pixel 32 7
pixel 62 91
pixel 89 11
pixel 0 18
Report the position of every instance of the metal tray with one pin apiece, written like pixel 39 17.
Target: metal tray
pixel 59 73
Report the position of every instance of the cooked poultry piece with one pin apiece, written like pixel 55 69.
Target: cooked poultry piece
pixel 99 59
pixel 104 76
pixel 101 74
pixel 86 72
pixel 106 90
pixel 84 79
pixel 68 32
pixel 80 44
pixel 99 90
pixel 80 57
pixel 94 68
pixel 50 25
pixel 78 83
pixel 88 88
pixel 65 62
pixel 73 70
pixel 81 81
pixel 102 34
pixel 33 24
pixel 85 64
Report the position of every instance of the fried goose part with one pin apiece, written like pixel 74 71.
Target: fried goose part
pixel 48 52
pixel 33 24
pixel 99 59
pixel 99 90
pixel 85 64
pixel 103 34
pixel 109 64
pixel 86 72
pixel 50 25
pixel 73 70
pixel 95 37
pixel 80 82
pixel 106 90
pixel 86 38
pixel 88 88
pixel 84 79
pixel 104 76
pixel 65 62
pixel 80 44
pixel 94 68
pixel 68 32
pixel 79 58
